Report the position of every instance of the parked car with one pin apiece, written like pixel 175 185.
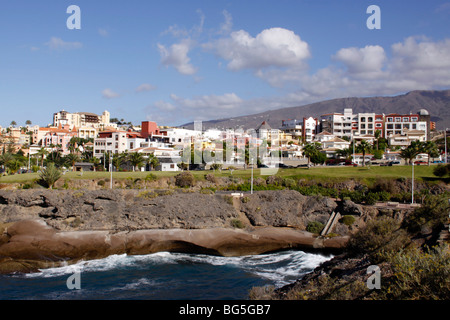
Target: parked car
pixel 438 161
pixel 418 163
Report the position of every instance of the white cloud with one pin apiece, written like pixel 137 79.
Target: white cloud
pixel 163 105
pixel 275 47
pixel 210 102
pixel 145 87
pixel 109 94
pixel 366 62
pixel 177 56
pixel 227 25
pixel 103 32
pixel 58 44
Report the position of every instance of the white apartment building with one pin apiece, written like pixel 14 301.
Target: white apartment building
pixel 397 124
pixel 310 129
pixel 181 137
pixel 81 119
pixel 293 127
pixel 340 124
pixel 116 142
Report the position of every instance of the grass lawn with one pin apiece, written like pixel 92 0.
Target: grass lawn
pixel 367 174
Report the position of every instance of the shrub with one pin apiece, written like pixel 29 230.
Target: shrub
pixel 236 223
pixel 289 183
pixel 378 238
pixel 184 180
pixel 211 178
pixel 101 183
pixel 433 213
pixel 371 198
pixel 151 177
pixel 216 166
pixel 315 227
pixel 441 170
pixel 420 274
pixel 50 175
pixel 348 220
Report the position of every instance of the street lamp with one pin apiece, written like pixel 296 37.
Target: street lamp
pixel 445 142
pixel 412 183
pixel 251 184
pixel 110 169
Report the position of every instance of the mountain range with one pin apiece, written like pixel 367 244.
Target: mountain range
pixel 437 103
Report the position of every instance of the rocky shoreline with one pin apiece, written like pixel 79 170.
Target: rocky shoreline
pixel 47 228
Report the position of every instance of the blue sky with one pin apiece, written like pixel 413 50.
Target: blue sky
pixel 177 61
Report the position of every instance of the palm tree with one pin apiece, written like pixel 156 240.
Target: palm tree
pixel 344 153
pixel 431 149
pixel 364 147
pixel 117 160
pixel 377 136
pixel 50 175
pixel 137 160
pixel 310 149
pixel 42 153
pixel 152 161
pixel 6 158
pixel 411 151
pixel 71 159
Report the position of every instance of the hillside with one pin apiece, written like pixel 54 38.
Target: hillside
pixel 436 102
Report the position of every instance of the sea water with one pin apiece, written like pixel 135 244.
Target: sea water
pixel 163 276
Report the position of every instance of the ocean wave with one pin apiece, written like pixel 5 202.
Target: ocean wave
pixel 279 267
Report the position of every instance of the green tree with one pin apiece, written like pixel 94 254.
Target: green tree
pixel 431 149
pixel 364 147
pixel 50 175
pixel 410 152
pixel 71 159
pixel 310 150
pixel 42 153
pixel 152 161
pixel 5 158
pixel 137 160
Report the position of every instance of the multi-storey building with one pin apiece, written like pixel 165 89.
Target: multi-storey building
pixel 81 119
pixel 292 126
pixel 400 124
pixel 340 124
pixel 369 123
pixel 310 128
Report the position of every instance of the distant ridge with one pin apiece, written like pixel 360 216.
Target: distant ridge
pixel 436 102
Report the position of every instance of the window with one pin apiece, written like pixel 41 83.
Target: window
pixel 414 126
pixel 398 119
pixel 379 125
pixel 363 126
pixel 405 119
pixel 363 131
pixel 390 119
pixel 172 166
pixel 414 119
pixel 370 126
pixel 370 119
pixel 390 126
pixel 398 126
pixel 363 119
pixel 406 126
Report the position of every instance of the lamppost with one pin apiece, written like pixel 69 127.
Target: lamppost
pixel 110 170
pixel 251 184
pixel 445 142
pixel 412 184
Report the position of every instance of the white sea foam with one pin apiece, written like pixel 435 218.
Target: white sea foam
pixel 280 267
